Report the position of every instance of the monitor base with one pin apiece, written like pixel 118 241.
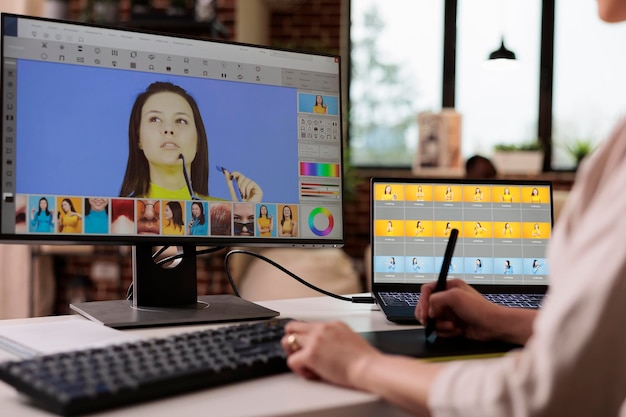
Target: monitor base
pixel 121 314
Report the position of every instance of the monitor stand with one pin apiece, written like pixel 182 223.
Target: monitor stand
pixel 167 296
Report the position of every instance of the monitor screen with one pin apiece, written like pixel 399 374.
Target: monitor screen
pixel 123 136
pixel 119 136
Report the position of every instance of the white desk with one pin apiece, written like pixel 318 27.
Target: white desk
pixel 280 395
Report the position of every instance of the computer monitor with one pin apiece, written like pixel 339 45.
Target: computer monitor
pixel 126 137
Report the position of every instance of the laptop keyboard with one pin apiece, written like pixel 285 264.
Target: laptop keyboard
pixel 516 300
pixel 509 300
pixel 394 299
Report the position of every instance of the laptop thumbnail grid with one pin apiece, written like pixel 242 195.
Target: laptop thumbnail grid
pixel 504 230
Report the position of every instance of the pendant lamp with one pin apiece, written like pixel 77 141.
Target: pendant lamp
pixel 502 58
pixel 502 52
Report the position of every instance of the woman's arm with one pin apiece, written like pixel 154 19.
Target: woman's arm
pixel 334 353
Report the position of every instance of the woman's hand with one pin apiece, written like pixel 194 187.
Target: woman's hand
pixel 327 351
pixel 459 310
pixel 248 189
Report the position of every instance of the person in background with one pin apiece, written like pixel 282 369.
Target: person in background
pixel 573 359
pixel 479 167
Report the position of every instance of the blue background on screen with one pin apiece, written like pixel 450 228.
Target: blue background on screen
pixel 72 130
pixel 307 101
pixel 382 264
pixel 487 266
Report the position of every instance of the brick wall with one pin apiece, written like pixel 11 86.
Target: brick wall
pixel 313 25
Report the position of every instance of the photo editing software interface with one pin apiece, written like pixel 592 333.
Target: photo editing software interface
pixel 113 134
pixel 504 230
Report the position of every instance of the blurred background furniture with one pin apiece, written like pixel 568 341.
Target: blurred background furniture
pixel 329 269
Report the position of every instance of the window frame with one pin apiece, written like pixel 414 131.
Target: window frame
pixel 546 74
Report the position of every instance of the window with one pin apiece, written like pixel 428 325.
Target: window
pixel 397 56
pixel 589 83
pixel 497 105
pixel 396 72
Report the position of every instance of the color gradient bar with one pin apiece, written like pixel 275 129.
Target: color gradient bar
pixel 316 169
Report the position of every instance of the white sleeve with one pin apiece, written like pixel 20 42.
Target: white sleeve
pixel 575 362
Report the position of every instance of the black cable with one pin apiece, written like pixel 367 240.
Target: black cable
pixel 364 300
pixel 185 255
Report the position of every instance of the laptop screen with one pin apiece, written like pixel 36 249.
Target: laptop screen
pixel 504 230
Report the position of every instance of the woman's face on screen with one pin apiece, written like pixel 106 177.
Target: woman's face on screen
pixel 167 212
pixel 167 130
pixel 98 204
pixel 195 210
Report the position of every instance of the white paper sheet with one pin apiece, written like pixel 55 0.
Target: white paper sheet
pixel 27 340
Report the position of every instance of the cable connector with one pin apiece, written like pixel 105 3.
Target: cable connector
pixel 363 300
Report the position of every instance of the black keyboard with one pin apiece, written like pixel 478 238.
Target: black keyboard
pixel 509 300
pixel 91 380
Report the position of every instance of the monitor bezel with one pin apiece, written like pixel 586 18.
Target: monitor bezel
pixel 56 238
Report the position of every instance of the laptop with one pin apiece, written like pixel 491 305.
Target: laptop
pixel 504 228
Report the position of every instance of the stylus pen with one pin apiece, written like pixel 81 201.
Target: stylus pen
pixel 235 185
pixel 443 275
pixel 187 179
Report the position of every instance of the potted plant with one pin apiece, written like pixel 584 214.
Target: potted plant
pixel 579 149
pixel 522 158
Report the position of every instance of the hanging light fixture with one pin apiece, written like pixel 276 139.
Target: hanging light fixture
pixel 502 58
pixel 502 52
